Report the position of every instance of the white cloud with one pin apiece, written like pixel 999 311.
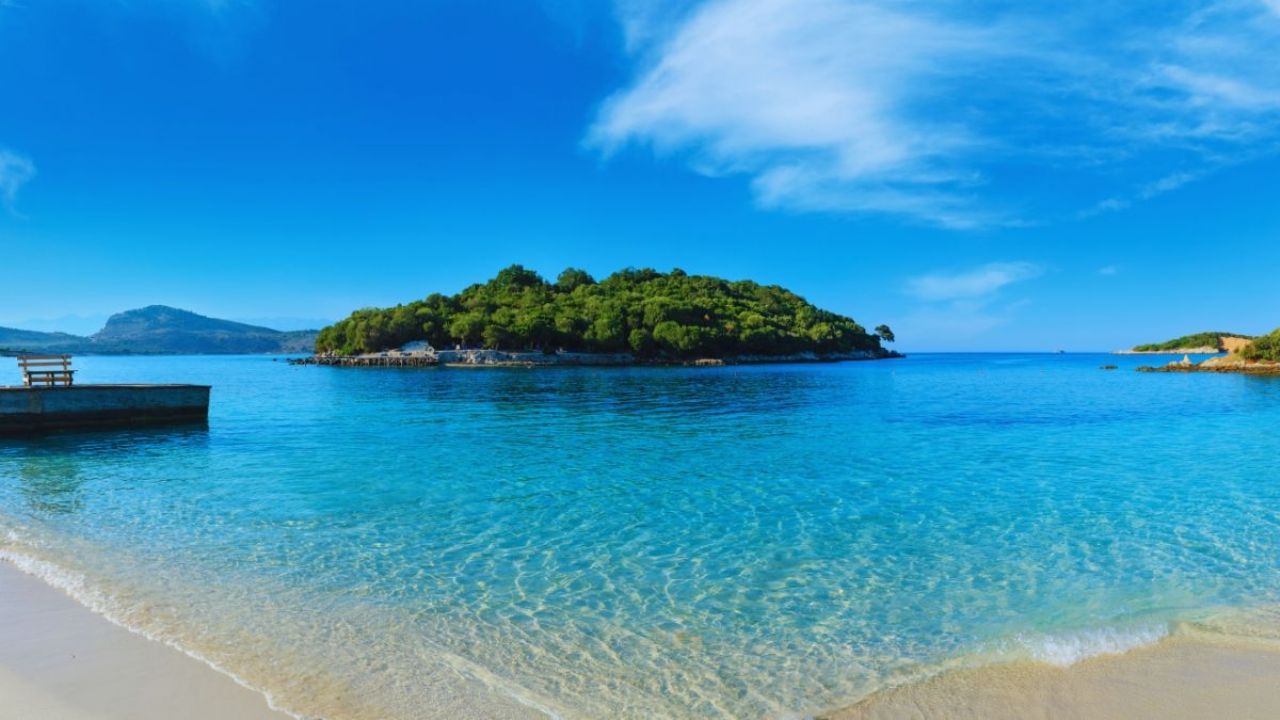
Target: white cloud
pixel 950 113
pixel 806 98
pixel 977 283
pixel 15 171
pixel 646 21
pixel 956 307
pixel 1150 190
pixel 1108 270
pixel 959 323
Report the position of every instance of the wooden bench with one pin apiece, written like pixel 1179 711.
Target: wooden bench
pixel 46 370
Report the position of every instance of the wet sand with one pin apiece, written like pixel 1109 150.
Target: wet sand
pixel 1196 677
pixel 60 661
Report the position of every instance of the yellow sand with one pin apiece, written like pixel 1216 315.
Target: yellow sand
pixel 1234 344
pixel 1180 678
pixel 59 661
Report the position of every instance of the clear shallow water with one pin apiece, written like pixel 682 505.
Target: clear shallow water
pixel 689 543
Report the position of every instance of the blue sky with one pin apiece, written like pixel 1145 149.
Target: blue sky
pixel 979 175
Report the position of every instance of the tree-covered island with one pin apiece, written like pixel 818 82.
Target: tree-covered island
pixel 1255 356
pixel 652 315
pixel 1212 341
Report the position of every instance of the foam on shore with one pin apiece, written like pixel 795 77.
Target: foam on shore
pixel 60 660
pixel 1222 666
pixel 1196 671
pixel 1068 648
pixel 75 586
pixel 299 685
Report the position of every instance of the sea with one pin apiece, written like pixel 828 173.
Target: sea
pixel 769 541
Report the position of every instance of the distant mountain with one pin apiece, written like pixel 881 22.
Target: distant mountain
pixel 40 342
pixel 84 325
pixel 161 329
pixel 158 329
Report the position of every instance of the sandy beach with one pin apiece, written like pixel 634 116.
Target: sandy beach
pixel 60 661
pixel 1196 677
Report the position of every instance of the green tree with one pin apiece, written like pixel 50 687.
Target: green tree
pixel 1264 349
pixel 641 341
pixel 649 313
pixel 572 278
pixel 467 328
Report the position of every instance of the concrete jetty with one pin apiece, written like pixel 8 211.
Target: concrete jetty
pixel 32 410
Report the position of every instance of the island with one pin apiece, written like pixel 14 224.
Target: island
pixel 1205 343
pixel 634 316
pixel 1258 356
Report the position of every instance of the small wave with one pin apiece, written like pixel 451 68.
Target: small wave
pixel 1068 648
pixel 77 587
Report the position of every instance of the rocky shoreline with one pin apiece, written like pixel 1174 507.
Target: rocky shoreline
pixel 1223 364
pixel 502 358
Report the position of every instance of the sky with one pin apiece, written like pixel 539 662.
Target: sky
pixel 980 175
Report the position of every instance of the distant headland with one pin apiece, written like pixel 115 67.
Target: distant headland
pixel 1250 356
pixel 1205 343
pixel 632 316
pixel 161 330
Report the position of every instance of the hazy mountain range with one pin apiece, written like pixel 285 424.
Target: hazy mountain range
pixel 158 329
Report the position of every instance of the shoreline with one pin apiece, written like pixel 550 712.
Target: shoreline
pixel 1184 676
pixel 524 359
pixel 60 660
pixel 1260 370
pixel 1227 364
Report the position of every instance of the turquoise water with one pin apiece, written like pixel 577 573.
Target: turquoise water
pixel 737 542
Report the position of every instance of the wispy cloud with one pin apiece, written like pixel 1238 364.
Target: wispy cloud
pixel 949 113
pixel 1149 190
pixel 645 21
pixel 1108 270
pixel 956 306
pixel 15 171
pixel 976 283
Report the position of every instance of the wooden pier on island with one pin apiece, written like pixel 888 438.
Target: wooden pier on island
pixel 49 399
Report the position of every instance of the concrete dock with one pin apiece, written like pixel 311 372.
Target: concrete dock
pixel 31 410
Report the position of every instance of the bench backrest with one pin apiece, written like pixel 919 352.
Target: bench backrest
pixel 46 369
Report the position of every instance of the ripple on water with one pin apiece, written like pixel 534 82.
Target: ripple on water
pixel 732 542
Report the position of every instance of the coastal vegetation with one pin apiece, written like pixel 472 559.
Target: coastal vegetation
pixel 1263 349
pixel 643 312
pixel 1190 342
pixel 1258 356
